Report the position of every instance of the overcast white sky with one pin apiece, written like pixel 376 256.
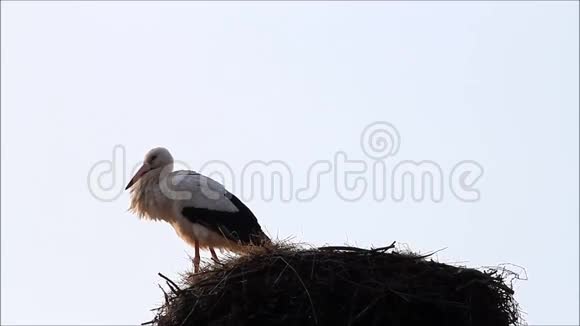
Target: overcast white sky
pixel 496 83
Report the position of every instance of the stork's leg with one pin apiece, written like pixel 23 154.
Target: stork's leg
pixel 213 255
pixel 196 258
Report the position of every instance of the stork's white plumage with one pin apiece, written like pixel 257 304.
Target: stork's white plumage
pixel 202 212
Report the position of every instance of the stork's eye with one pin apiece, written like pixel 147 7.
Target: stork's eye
pixel 153 157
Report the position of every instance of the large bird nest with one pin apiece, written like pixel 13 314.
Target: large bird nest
pixel 338 286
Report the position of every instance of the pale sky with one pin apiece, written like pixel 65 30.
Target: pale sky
pixel 489 82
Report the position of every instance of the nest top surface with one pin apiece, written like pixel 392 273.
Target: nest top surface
pixel 288 285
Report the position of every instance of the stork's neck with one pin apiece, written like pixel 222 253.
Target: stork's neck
pixel 147 199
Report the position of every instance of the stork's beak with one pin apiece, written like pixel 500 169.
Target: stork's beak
pixel 142 170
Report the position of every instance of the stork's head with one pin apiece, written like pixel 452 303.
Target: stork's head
pixel 155 160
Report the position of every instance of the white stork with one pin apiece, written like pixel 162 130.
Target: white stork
pixel 202 212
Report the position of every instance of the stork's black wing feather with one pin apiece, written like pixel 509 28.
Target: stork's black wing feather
pixel 237 226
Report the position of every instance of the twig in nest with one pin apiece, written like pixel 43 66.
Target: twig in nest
pixel 383 249
pixel 211 291
pixel 174 288
pixel 342 248
pixel 164 294
pixel 305 289
pixel 189 314
pixel 429 254
pixel 362 312
pixel 355 249
pixel 279 275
